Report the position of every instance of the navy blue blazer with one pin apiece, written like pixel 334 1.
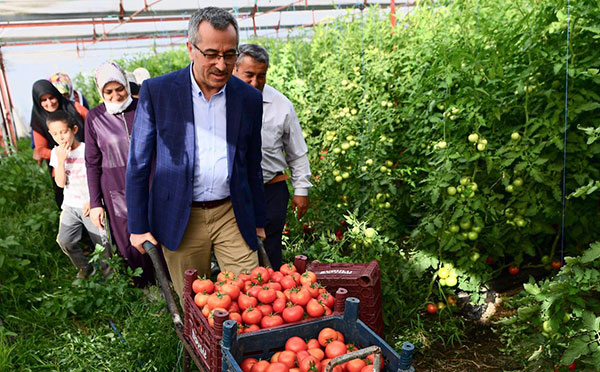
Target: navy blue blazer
pixel 161 154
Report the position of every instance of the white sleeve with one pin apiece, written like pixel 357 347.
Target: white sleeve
pixel 53 158
pixel 296 153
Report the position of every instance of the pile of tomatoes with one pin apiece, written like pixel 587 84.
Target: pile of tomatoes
pixel 311 356
pixel 264 298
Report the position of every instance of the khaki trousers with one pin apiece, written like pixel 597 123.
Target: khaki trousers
pixel 208 229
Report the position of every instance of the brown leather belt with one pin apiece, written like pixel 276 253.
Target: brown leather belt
pixel 209 204
pixel 278 178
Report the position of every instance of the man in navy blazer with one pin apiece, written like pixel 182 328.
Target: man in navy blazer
pixel 194 181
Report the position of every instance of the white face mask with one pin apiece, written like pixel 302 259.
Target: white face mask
pixel 117 108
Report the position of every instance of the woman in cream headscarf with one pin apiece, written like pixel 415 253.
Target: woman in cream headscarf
pixel 107 133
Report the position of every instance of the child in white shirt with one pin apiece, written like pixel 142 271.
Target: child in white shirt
pixel 68 162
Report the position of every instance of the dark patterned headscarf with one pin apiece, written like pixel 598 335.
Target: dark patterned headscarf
pixel 39 114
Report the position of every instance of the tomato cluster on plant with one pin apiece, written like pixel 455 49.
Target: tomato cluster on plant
pixel 264 298
pixel 313 355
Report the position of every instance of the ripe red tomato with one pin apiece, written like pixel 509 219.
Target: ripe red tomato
pixel 266 296
pixel 314 308
pixel 279 305
pixel 335 349
pixel 317 352
pixel 288 358
pixel 276 277
pixel 308 278
pixel 431 308
pixel 231 289
pixel 295 344
pixel 327 299
pixel 275 357
pixel 355 365
pixel 260 275
pixel 237 317
pixel 490 260
pixel 371 360
pixel 271 320
pixel 287 282
pixel 247 364
pixel 253 291
pixel 340 336
pixel 556 264
pixel 273 285
pixel 367 368
pixel 313 343
pixel 201 299
pixel 337 368
pixel 310 364
pixel 252 316
pixel 326 336
pixel 293 313
pixel 296 277
pixel 277 367
pixel 218 299
pixel 234 307
pixel 246 301
pixel 260 366
pixel 513 270
pixel 252 328
pixel 225 275
pixel 313 289
pixel 301 355
pixel 300 297
pixel 288 269
pixel 572 366
pixel 203 285
pixel 265 309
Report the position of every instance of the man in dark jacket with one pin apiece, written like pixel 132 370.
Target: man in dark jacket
pixel 200 130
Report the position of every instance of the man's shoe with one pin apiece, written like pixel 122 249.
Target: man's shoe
pixel 85 273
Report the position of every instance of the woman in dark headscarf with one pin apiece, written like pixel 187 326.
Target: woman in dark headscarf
pixel 47 99
pixel 108 130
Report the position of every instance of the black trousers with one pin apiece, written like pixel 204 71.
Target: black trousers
pixel 277 197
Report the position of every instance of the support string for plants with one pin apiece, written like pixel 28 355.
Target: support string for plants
pixel 364 83
pixel 564 176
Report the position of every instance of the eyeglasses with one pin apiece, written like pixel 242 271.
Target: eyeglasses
pixel 228 57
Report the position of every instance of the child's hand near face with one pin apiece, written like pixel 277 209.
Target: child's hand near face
pixel 86 209
pixel 62 152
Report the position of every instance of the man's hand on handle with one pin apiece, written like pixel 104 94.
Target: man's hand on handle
pixel 260 232
pixel 300 205
pixel 138 239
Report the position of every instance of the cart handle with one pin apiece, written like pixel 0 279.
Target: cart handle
pixel 164 283
pixel 362 353
pixel 262 254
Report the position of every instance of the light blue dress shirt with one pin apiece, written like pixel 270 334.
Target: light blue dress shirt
pixel 211 180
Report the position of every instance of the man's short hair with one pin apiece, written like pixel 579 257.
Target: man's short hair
pixel 60 115
pixel 217 17
pixel 256 52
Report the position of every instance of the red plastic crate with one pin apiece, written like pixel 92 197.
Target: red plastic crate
pixel 205 340
pixel 362 280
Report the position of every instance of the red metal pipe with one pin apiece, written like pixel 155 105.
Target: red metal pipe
pixel 7 102
pixel 50 42
pixel 91 22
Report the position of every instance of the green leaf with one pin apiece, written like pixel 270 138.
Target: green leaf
pixel 576 348
pixel 590 322
pixel 531 288
pixel 592 253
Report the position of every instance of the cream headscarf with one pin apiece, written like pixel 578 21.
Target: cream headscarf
pixel 107 73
